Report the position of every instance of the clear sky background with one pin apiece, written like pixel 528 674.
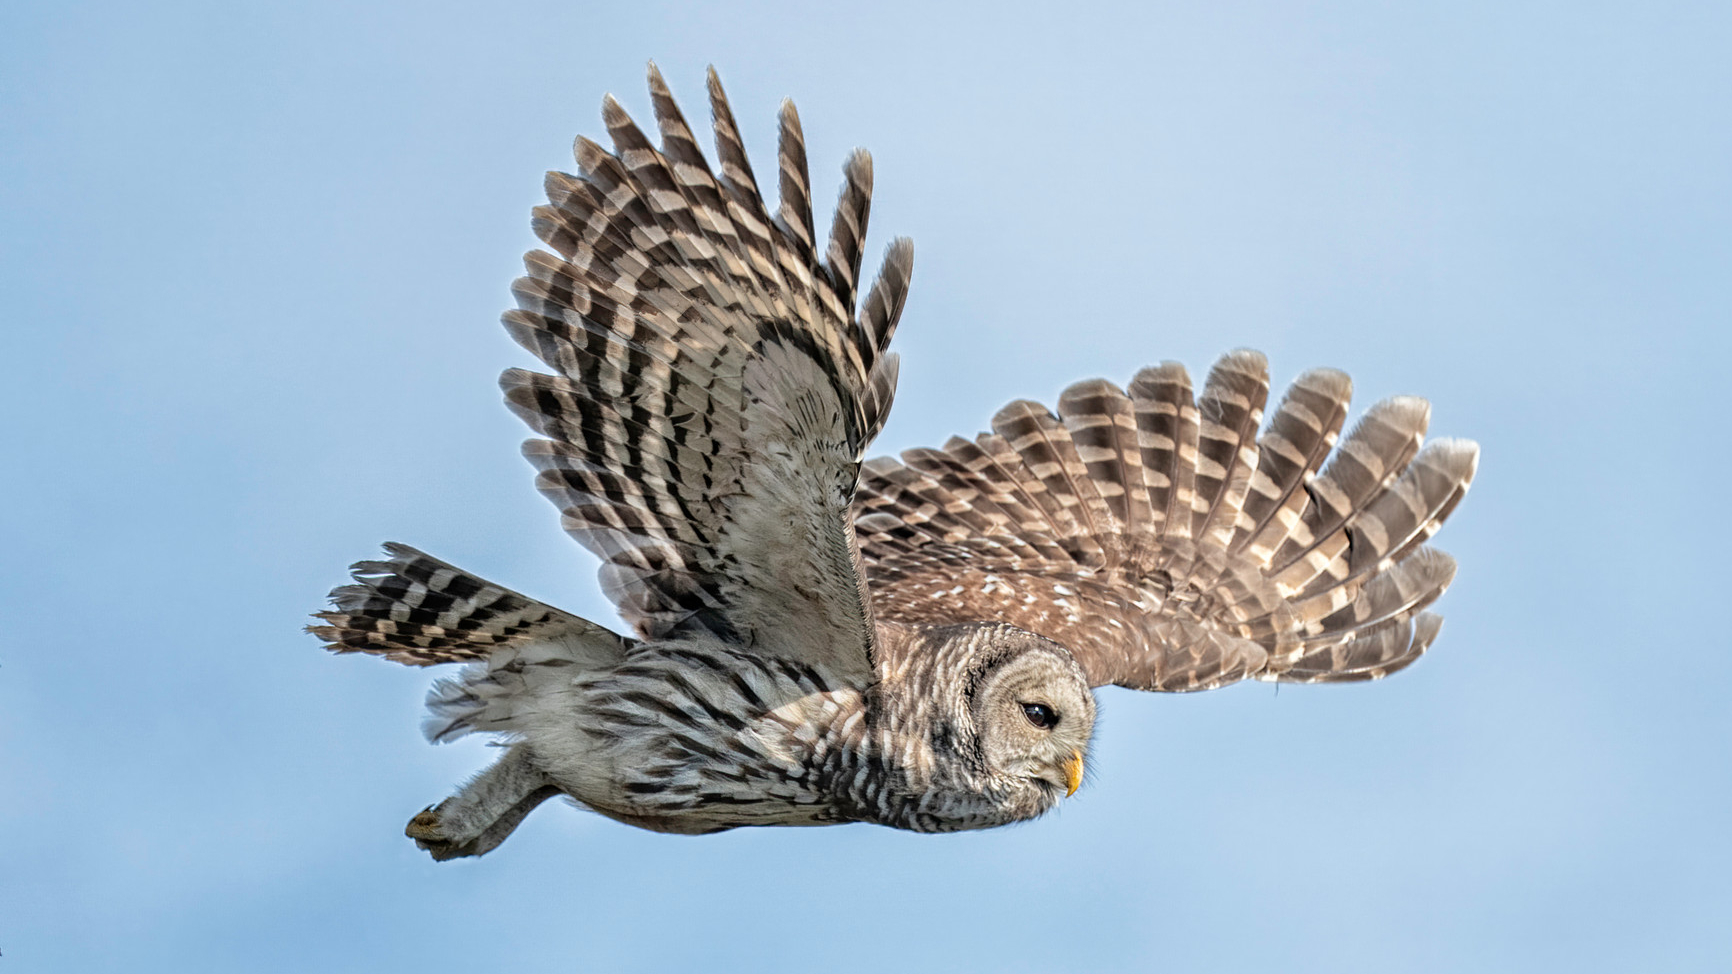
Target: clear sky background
pixel 252 257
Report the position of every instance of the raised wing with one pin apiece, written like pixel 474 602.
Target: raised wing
pixel 1165 543
pixel 714 391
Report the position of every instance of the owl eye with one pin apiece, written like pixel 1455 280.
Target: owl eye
pixel 1040 715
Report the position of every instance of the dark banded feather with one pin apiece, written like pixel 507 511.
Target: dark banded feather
pixel 415 609
pixel 1167 544
pixel 714 391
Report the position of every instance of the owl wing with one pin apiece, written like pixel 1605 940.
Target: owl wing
pixel 1166 543
pixel 713 390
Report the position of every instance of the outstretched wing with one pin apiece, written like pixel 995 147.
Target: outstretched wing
pixel 713 390
pixel 1165 543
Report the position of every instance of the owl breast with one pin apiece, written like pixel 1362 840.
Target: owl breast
pixel 694 737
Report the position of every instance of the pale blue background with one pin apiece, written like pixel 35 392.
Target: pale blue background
pixel 251 260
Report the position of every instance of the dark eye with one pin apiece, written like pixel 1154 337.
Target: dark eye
pixel 1040 715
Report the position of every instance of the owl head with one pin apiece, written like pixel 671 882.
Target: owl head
pixel 1033 715
pixel 1008 715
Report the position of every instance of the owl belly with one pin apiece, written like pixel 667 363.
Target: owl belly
pixel 692 738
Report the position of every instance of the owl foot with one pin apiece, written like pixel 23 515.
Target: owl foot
pixel 430 835
pixel 424 826
pixel 480 816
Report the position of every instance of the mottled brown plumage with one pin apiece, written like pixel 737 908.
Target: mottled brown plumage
pixel 912 643
pixel 1168 547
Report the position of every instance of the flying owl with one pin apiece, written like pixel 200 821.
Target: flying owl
pixel 822 639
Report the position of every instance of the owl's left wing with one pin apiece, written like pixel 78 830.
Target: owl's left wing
pixel 713 390
pixel 1167 544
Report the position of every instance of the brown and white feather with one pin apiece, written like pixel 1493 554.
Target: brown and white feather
pixel 1164 542
pixel 714 392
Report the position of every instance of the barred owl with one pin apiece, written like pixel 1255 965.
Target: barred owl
pixel 908 642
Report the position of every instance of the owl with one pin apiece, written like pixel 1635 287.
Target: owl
pixel 819 638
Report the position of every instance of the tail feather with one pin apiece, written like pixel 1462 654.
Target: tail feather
pixel 413 608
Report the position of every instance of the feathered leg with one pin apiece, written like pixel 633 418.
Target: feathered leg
pixel 484 811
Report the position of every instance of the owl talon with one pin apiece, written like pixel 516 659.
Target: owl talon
pixel 424 827
pixel 431 837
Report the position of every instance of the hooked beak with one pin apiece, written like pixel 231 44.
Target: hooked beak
pixel 1073 773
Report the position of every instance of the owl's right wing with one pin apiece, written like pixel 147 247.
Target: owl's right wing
pixel 713 390
pixel 1167 544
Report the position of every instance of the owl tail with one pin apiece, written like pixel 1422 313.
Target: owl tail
pixel 415 609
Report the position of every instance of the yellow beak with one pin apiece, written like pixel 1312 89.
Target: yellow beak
pixel 1073 772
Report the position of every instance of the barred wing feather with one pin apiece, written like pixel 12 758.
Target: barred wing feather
pixel 1165 542
pixel 712 390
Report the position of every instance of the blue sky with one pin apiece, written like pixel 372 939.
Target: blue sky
pixel 251 262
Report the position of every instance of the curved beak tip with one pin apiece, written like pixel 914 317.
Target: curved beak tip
pixel 1073 773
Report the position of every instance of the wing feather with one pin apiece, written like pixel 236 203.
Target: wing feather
pixel 713 391
pixel 1167 544
pixel 1229 414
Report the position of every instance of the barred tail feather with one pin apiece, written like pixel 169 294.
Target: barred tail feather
pixel 413 608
